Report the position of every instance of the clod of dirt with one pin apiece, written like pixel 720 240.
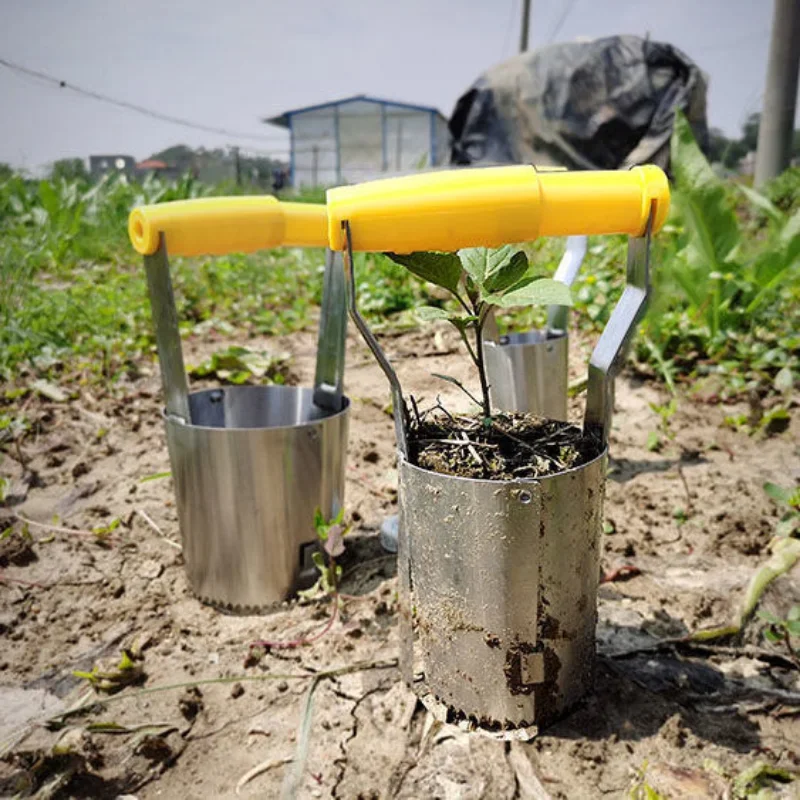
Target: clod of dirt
pixel 16 549
pixel 191 703
pixel 507 447
pixel 81 468
pixel 237 690
pixel 156 749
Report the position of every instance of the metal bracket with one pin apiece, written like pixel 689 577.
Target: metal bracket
pixel 611 350
pixel 399 408
pixel 329 376
pixel 168 338
pixel 567 271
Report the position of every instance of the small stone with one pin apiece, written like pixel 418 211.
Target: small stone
pixel 283 686
pixel 237 690
pixel 150 569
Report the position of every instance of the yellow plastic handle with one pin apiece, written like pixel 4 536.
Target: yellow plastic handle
pixel 491 206
pixel 220 225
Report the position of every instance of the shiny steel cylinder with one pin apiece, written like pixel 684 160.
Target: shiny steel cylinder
pixel 249 473
pixel 529 372
pixel 499 592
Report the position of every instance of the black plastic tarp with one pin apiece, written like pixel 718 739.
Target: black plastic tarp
pixel 604 104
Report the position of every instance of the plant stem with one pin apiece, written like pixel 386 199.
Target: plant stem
pixel 269 644
pixel 88 703
pixel 479 362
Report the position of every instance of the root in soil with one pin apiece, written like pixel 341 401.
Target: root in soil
pixel 508 446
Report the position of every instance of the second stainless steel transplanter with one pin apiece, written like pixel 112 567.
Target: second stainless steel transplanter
pixel 252 464
pixel 529 371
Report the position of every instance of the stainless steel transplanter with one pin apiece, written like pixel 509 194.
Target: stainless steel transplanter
pixel 250 464
pixel 498 579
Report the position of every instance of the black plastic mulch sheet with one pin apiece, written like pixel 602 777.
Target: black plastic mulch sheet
pixel 605 104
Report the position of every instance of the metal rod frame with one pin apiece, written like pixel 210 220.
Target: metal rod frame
pixel 399 408
pixel 612 348
pixel 168 337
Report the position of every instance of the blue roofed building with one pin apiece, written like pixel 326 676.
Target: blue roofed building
pixel 361 138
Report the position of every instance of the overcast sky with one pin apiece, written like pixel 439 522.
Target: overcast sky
pixel 227 63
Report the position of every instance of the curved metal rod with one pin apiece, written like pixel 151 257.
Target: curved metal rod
pixel 399 409
pixel 612 348
pixel 567 271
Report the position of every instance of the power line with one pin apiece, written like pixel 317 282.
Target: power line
pixel 560 23
pixel 507 37
pixel 103 98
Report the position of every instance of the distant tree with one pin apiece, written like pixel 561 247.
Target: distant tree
pixel 180 156
pixel 750 132
pixel 70 169
pixel 6 172
pixel 723 150
pixel 718 144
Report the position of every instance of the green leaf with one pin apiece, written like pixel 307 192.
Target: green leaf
pixel 431 313
pixel 443 269
pixel 772 636
pixel 751 780
pixel 778 493
pixel 764 203
pixel 50 200
pixel 711 237
pixel 793 626
pixel 785 553
pixel 125 662
pixel 507 275
pixel 156 476
pixel 794 614
pixel 481 263
pixel 653 442
pixel 543 292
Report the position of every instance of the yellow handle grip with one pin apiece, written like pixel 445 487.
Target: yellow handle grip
pixel 220 225
pixel 491 206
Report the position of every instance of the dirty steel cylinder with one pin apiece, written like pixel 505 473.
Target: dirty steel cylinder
pixel 249 473
pixel 499 592
pixel 529 372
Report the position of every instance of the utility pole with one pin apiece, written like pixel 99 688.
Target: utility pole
pixel 526 23
pixel 780 93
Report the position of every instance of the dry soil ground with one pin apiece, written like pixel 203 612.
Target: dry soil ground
pixel 692 519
